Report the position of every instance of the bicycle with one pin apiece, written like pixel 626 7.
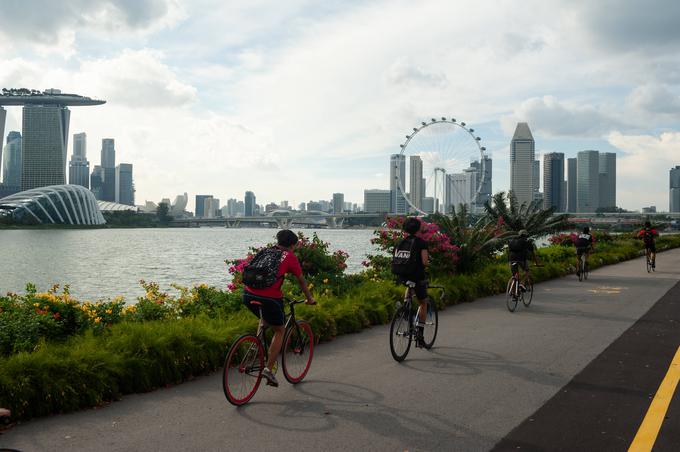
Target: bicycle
pixel 403 327
pixel 246 357
pixel 514 291
pixel 583 268
pixel 650 262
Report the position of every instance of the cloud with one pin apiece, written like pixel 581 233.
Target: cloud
pixel 55 23
pixel 642 168
pixel 655 98
pixel 549 116
pixel 632 25
pixel 403 72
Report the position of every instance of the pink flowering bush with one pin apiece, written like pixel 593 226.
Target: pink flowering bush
pixel 443 254
pixel 563 239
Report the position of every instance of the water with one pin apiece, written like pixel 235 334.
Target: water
pixel 104 263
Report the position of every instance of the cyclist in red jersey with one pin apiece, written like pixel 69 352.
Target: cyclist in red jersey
pixel 269 300
pixel 647 235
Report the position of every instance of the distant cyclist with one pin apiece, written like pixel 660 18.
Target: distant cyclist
pixel 584 245
pixel 278 260
pixel 410 259
pixel 647 235
pixel 519 249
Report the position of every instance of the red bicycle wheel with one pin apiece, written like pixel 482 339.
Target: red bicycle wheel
pixel 243 369
pixel 298 350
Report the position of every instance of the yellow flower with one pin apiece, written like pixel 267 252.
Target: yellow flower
pixel 311 286
pixel 325 281
pixel 109 311
pixel 97 320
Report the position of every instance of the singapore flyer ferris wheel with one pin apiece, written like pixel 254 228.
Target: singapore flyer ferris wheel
pixel 447 166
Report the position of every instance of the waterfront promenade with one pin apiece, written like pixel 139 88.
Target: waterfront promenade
pixel 568 373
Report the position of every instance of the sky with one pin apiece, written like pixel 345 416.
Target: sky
pixel 297 100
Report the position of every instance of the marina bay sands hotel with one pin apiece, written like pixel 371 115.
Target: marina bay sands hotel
pixel 45 126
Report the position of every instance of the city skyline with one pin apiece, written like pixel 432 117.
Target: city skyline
pixel 254 102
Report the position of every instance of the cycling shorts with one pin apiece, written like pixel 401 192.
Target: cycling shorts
pixel 522 264
pixel 580 251
pixel 420 288
pixel 651 247
pixel 272 308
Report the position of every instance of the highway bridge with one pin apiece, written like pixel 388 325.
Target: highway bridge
pixel 284 219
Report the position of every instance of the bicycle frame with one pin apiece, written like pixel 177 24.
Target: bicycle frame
pixel 514 288
pixel 288 324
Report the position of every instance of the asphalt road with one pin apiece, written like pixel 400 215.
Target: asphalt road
pixel 489 371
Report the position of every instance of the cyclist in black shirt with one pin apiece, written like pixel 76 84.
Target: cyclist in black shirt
pixel 519 250
pixel 584 245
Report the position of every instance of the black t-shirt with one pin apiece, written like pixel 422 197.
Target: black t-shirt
pixel 584 240
pixel 418 246
pixel 519 249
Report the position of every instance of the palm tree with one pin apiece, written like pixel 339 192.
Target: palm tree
pixel 478 240
pixel 507 212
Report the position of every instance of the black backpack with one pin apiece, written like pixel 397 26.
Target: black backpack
pixel 404 261
pixel 648 237
pixel 261 271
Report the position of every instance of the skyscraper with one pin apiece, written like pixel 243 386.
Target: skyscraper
pixel 553 180
pixel 45 137
pixel 587 181
pixel 108 164
pixel 459 189
pixel 97 182
pixel 125 192
pixel 200 205
pixel 249 204
pixel 3 116
pixel 78 166
pixel 397 176
pixel 571 185
pixel 522 157
pixel 486 191
pixel 536 179
pixel 11 165
pixel 338 202
pixel 674 190
pixel 415 185
pixel 607 170
pixel 377 201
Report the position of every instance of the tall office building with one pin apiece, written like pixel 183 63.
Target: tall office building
pixel 607 176
pixel 200 205
pixel 211 207
pixel 338 202
pixel 125 191
pixel 97 182
pixel 108 164
pixel 587 181
pixel 377 201
pixel 78 166
pixel 249 204
pixel 11 165
pixel 397 175
pixel 536 179
pixel 571 185
pixel 459 189
pixel 45 138
pixel 484 166
pixel 522 157
pixel 3 116
pixel 674 190
pixel 415 190
pixel 553 181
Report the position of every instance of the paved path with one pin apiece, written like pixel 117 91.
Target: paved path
pixel 488 372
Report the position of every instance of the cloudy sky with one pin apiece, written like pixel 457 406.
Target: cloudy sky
pixel 296 100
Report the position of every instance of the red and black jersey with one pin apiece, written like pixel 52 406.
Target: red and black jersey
pixel 647 235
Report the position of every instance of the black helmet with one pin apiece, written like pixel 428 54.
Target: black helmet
pixel 586 230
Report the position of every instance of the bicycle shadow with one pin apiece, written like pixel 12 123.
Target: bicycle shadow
pixel 325 405
pixel 458 361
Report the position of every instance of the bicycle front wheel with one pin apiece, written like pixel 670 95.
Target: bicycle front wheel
pixel 649 264
pixel 298 350
pixel 512 297
pixel 400 334
pixel 431 324
pixel 529 294
pixel 243 369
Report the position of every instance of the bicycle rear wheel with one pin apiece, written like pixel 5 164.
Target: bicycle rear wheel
pixel 649 263
pixel 431 324
pixel 298 350
pixel 580 269
pixel 585 270
pixel 512 297
pixel 400 334
pixel 529 294
pixel 243 369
